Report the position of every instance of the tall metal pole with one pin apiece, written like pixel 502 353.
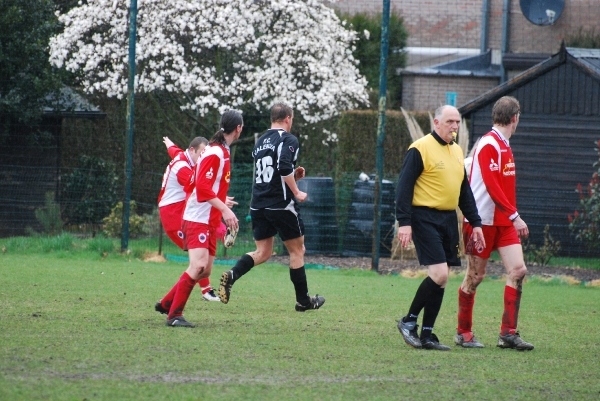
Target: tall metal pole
pixel 130 109
pixel 385 23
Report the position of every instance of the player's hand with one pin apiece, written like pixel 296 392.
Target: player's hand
pixel 478 239
pixel 168 142
pixel 230 219
pixel 301 196
pixel 521 227
pixel 299 173
pixel 229 202
pixel 405 235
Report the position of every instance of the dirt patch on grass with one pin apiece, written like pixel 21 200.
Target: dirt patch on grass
pixel 153 257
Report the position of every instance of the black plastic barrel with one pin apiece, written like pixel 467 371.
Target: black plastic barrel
pixel 358 238
pixel 319 216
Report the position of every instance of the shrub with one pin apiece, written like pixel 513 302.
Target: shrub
pixel 541 256
pixel 113 223
pixel 49 216
pixel 585 222
pixel 90 191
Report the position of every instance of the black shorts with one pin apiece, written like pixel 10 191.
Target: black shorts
pixel 435 235
pixel 285 222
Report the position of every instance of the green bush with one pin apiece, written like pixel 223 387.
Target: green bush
pixel 49 215
pixel 542 255
pixel 90 191
pixel 113 223
pixel 357 140
pixel 585 222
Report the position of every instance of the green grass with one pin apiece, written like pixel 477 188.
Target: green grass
pixel 76 324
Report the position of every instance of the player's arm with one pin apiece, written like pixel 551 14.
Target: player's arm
pixel 206 175
pixel 290 181
pixel 172 149
pixel 288 153
pixel 412 167
pixel 185 178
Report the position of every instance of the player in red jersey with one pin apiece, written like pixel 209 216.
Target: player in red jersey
pixel 177 185
pixel 493 182
pixel 204 210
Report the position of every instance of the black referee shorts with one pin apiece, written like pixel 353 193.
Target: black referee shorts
pixel 285 222
pixel 435 235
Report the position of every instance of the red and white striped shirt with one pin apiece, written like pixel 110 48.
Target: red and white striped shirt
pixel 213 173
pixel 493 180
pixel 178 179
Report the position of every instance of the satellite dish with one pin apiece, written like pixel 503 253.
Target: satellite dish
pixel 542 12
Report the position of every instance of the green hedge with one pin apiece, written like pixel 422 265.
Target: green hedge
pixel 357 133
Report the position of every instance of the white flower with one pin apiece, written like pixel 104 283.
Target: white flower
pixel 217 54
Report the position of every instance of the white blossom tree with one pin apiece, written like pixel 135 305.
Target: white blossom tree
pixel 216 54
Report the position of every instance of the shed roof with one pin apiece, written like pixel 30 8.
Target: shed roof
pixel 68 103
pixel 472 66
pixel 587 60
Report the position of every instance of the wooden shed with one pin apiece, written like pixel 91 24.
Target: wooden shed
pixel 554 145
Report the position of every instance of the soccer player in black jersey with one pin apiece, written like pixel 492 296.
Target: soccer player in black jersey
pixel 274 208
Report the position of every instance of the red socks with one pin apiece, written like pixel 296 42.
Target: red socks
pixel 204 284
pixel 167 300
pixel 183 289
pixel 465 312
pixel 512 302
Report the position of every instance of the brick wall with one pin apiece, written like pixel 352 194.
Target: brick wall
pixel 457 23
pixel 428 92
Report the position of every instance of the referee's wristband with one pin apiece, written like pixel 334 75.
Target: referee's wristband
pixel 515 217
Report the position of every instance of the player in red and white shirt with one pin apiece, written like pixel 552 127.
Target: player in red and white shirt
pixel 204 210
pixel 177 185
pixel 493 182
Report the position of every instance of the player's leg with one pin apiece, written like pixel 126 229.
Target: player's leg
pixel 198 241
pixel 512 258
pixel 438 274
pixel 171 218
pixel 477 259
pixel 428 241
pixel 290 227
pixel 264 237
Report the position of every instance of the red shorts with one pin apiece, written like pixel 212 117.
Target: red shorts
pixel 495 237
pixel 171 217
pixel 199 235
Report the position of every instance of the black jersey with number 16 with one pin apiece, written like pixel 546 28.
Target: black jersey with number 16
pixel 275 156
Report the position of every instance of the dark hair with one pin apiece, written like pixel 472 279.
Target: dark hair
pixel 504 110
pixel 197 141
pixel 279 111
pixel 229 122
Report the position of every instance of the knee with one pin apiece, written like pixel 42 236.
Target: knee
pixel 440 278
pixel 297 252
pixel 476 279
pixel 260 256
pixel 198 270
pixel 519 272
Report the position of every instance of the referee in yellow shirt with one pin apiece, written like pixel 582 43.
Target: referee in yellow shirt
pixel 432 183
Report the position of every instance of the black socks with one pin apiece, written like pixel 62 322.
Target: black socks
pixel 429 296
pixel 242 266
pixel 298 277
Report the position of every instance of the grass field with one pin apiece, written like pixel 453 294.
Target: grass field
pixel 79 324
